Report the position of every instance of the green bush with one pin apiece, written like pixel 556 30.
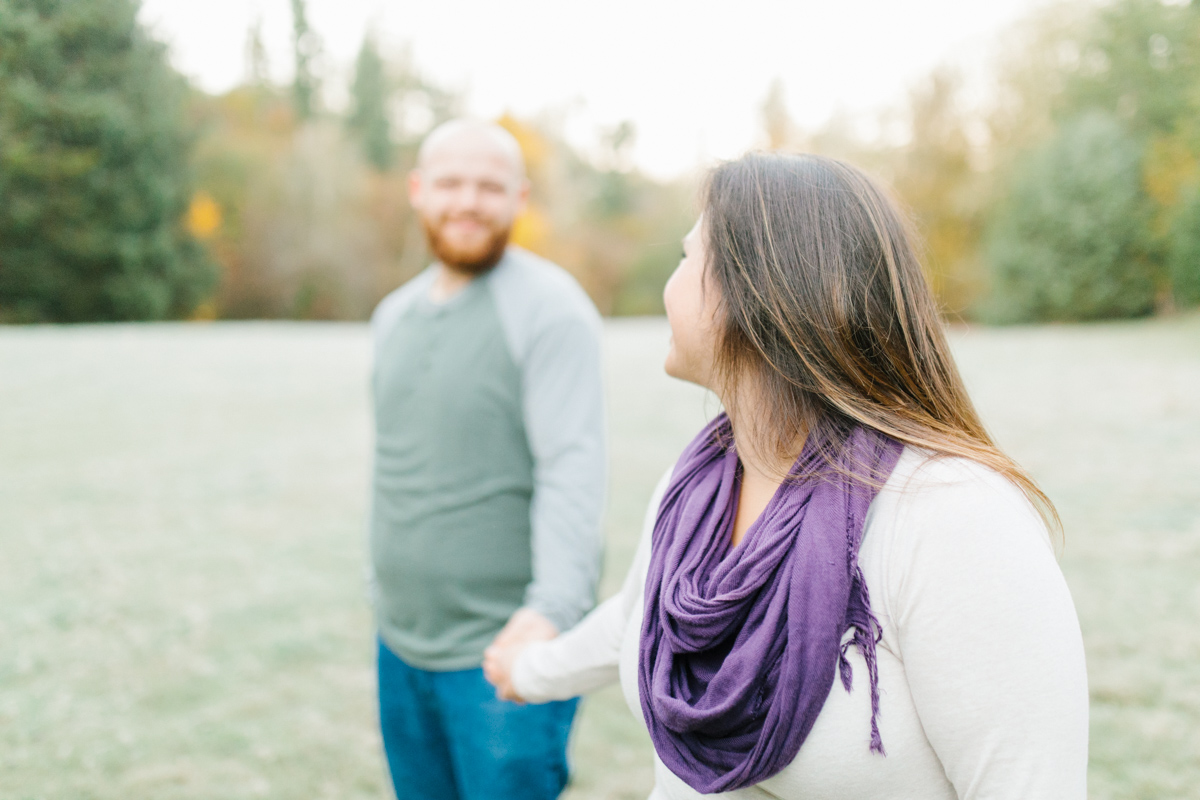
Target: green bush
pixel 1184 258
pixel 94 177
pixel 1068 241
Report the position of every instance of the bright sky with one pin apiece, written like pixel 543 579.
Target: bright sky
pixel 690 74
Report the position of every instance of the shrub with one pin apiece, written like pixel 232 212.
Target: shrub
pixel 1068 240
pixel 1184 257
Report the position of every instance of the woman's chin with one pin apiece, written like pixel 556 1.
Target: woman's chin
pixel 671 365
pixel 675 369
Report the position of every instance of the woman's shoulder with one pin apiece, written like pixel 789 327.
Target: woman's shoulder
pixel 929 494
pixel 941 524
pixel 651 515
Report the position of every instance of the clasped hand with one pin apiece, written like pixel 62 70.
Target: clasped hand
pixel 524 627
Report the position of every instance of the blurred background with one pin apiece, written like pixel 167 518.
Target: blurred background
pixel 230 160
pixel 182 504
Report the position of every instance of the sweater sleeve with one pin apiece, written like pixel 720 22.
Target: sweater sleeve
pixel 564 423
pixel 553 333
pixel 579 661
pixel 586 657
pixel 990 639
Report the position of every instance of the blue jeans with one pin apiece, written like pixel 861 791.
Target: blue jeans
pixel 447 737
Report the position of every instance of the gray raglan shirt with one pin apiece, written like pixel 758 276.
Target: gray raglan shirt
pixel 489 459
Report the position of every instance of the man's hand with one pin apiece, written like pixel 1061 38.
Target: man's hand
pixel 524 627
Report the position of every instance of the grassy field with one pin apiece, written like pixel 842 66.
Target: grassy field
pixel 182 548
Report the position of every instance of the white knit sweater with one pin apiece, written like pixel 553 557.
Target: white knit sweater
pixel 981 669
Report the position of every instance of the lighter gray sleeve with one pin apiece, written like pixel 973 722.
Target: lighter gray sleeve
pixel 556 336
pixel 564 421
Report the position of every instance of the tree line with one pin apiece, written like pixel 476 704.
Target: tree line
pixel 1075 193
pixel 126 194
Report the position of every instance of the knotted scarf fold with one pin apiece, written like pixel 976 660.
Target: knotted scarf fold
pixel 739 646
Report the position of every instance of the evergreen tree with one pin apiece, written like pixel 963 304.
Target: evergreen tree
pixel 368 116
pixel 257 68
pixel 614 186
pixel 94 179
pixel 304 85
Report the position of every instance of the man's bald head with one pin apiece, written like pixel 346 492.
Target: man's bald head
pixel 475 136
pixel 468 188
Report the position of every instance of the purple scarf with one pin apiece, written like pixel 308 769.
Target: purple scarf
pixel 739 646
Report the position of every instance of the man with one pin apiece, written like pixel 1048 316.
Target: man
pixel 489 479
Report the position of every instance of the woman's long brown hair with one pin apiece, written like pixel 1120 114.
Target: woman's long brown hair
pixel 823 301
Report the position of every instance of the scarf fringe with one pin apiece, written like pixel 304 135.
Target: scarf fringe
pixel 867 632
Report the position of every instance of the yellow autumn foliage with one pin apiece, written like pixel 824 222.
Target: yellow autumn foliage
pixel 1169 168
pixel 203 216
pixel 534 146
pixel 531 230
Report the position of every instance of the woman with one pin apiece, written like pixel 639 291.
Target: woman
pixel 844 589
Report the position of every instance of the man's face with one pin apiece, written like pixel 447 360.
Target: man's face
pixel 467 192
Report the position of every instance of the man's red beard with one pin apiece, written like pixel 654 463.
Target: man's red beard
pixel 473 260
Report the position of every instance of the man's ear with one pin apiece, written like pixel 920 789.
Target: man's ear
pixel 522 195
pixel 414 188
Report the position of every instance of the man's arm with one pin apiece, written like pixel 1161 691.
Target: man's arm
pixel 564 422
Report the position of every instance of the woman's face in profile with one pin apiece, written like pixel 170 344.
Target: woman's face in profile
pixel 691 305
